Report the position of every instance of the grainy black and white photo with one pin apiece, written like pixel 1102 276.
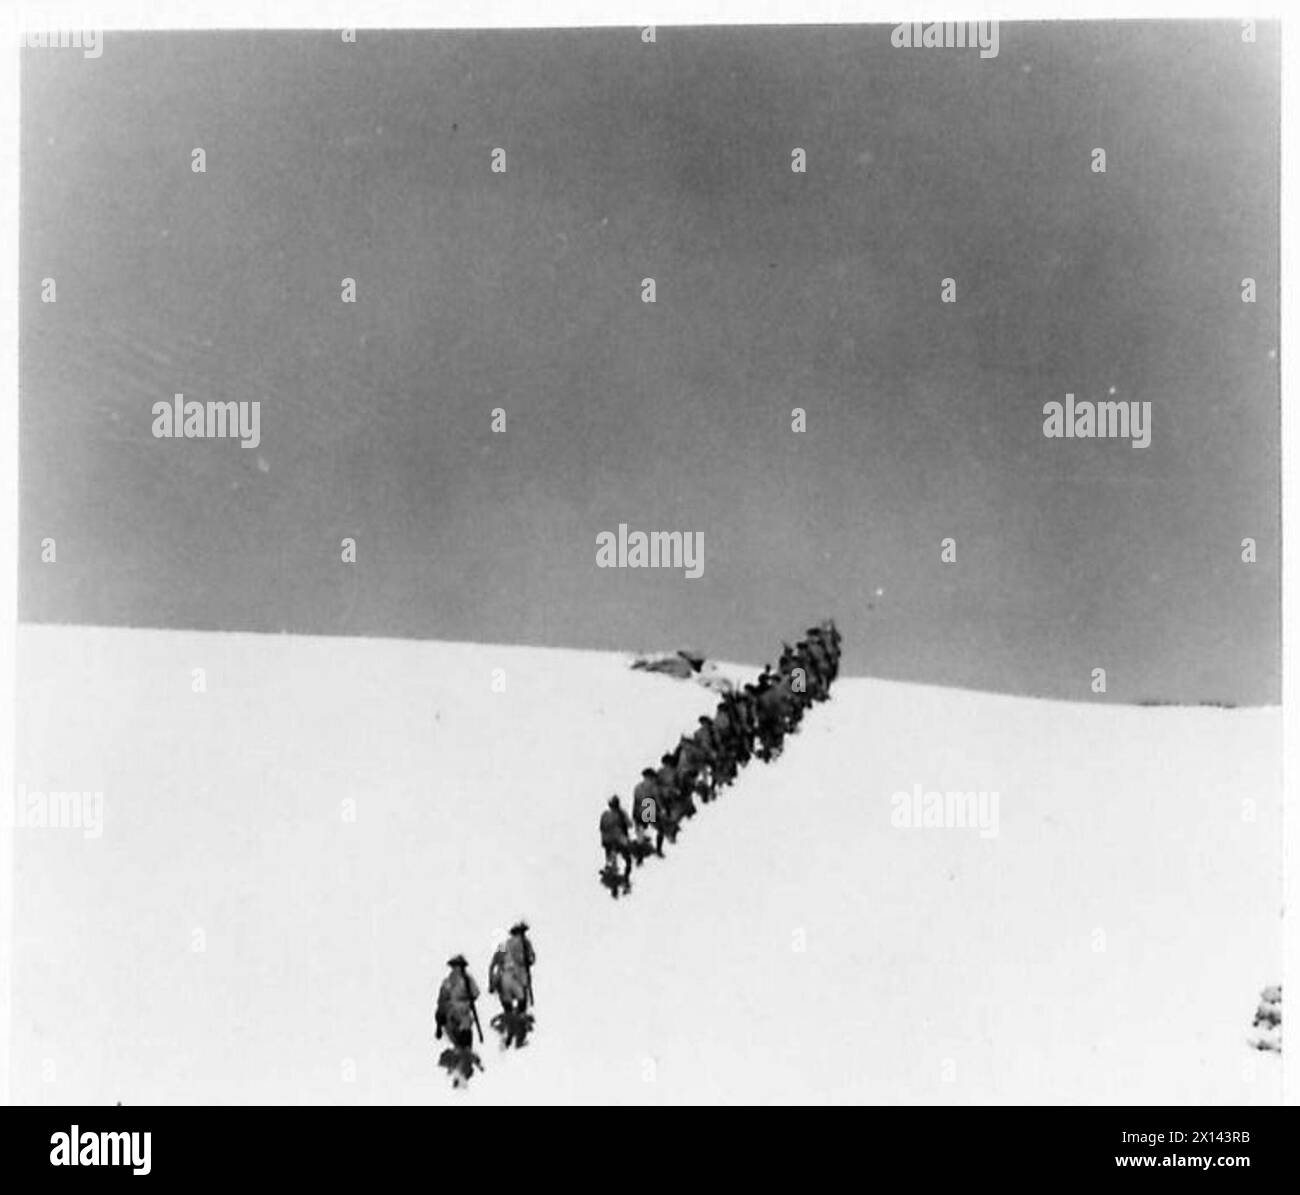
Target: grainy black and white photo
pixel 648 565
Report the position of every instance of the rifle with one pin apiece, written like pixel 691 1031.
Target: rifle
pixel 472 1009
pixel 469 996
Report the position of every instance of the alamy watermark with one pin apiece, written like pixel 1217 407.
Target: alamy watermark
pixel 37 31
pixel 195 420
pixel 34 809
pixel 922 810
pixel 651 549
pixel 947 35
pixel 81 1147
pixel 1098 421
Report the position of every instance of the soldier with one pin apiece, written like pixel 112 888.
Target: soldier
pixel 722 766
pixel 783 687
pixel 682 766
pixel 672 807
pixel 819 656
pixel 647 808
pixel 819 665
pixel 746 709
pixel 771 721
pixel 706 745
pixel 783 696
pixel 802 679
pixel 510 977
pixel 613 837
pixel 832 635
pixel 740 725
pixel 727 724
pixel 455 1011
pixel 692 769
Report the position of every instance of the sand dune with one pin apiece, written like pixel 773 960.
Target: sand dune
pixel 1108 944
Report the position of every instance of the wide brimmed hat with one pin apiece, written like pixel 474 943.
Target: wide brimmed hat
pixel 457 960
pixel 519 927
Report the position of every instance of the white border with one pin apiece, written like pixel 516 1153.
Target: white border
pixel 482 14
pixel 544 14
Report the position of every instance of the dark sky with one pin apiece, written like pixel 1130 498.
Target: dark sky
pixel 775 290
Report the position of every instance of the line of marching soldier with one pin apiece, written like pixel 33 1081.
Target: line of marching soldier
pixel 749 723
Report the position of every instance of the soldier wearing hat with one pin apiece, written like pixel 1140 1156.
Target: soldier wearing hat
pixel 510 976
pixel 455 1011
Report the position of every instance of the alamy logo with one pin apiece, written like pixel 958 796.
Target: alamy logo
pixel 1098 420
pixel 194 420
pixel 89 41
pixel 947 35
pixel 919 810
pixel 651 549
pixel 76 1148
pixel 36 810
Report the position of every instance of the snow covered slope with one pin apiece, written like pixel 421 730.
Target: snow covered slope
pixel 235 935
